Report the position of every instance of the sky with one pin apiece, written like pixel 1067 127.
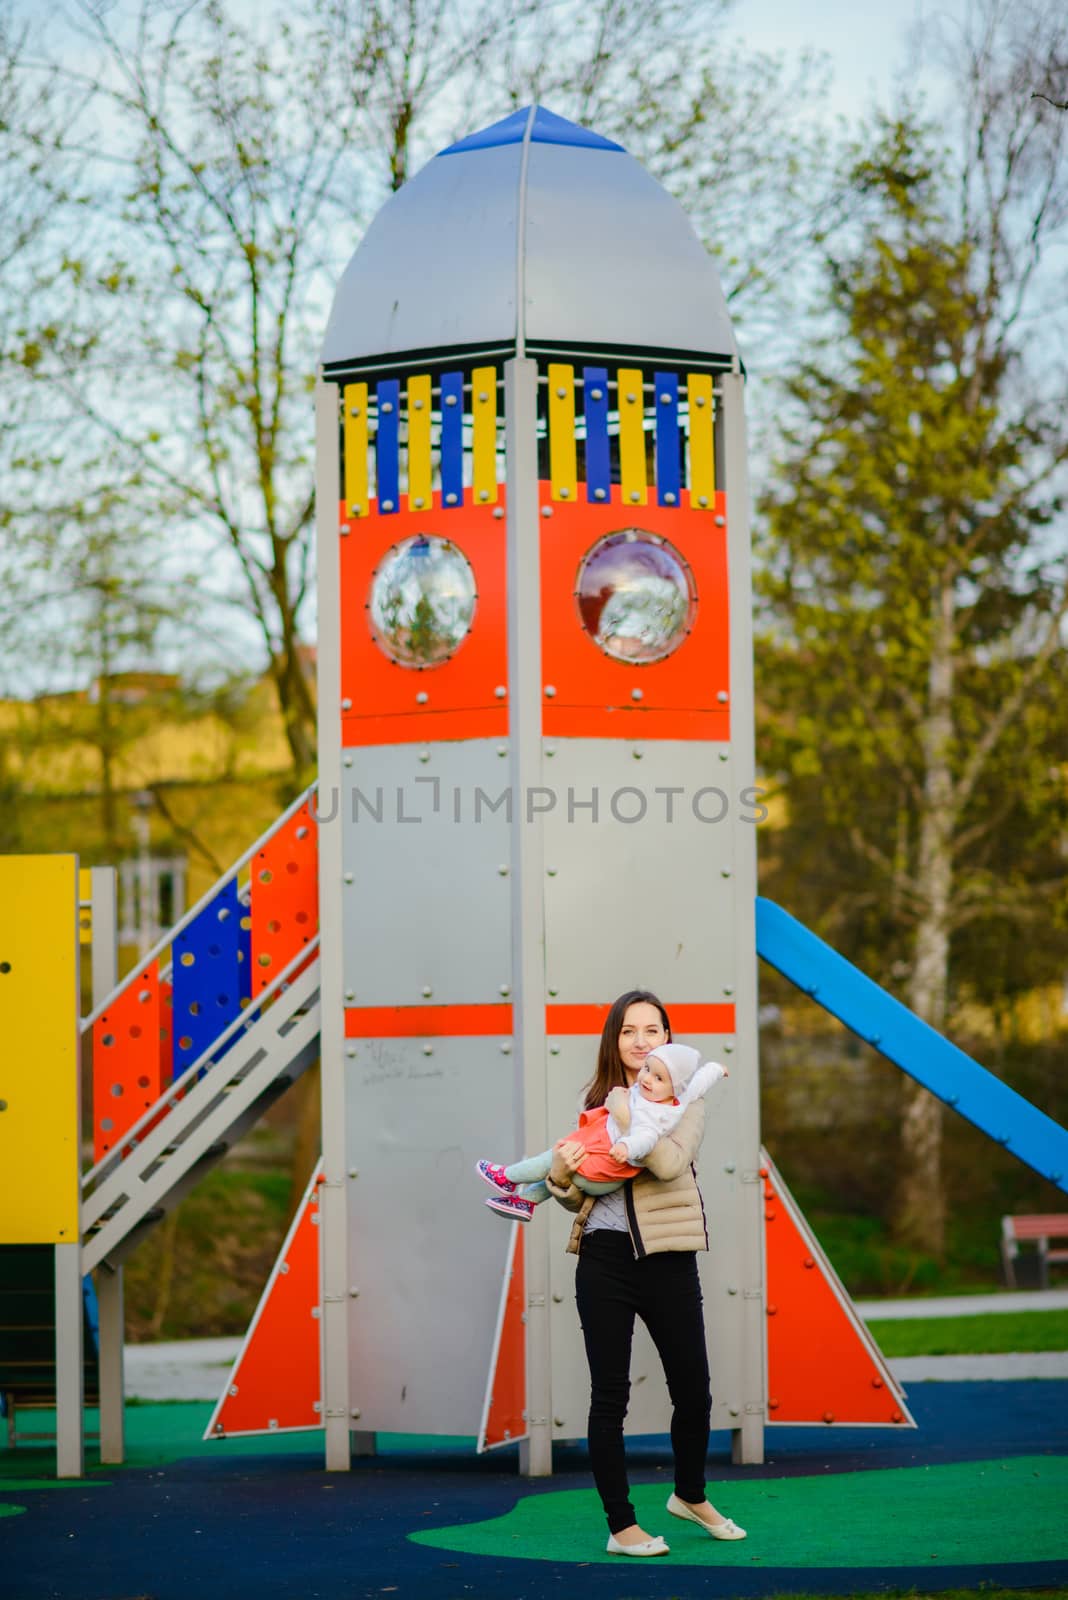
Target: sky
pixel 867 44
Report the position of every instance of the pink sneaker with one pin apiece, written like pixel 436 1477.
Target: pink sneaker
pixel 494 1176
pixel 510 1205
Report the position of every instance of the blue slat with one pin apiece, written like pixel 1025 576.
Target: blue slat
pixel 914 1046
pixel 452 439
pixel 387 446
pixel 598 460
pixel 208 991
pixel 668 438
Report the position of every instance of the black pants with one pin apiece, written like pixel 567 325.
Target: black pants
pixel 611 1287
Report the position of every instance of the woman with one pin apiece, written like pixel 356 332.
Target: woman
pixel 637 1256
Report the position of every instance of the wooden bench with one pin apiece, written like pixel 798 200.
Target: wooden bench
pixel 1039 1231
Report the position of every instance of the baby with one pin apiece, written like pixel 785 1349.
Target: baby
pixel 617 1136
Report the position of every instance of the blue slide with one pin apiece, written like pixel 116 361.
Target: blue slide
pixel 914 1046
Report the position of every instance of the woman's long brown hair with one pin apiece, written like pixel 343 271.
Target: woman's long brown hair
pixel 611 1073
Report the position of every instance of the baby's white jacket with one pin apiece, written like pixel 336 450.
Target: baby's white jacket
pixel 651 1119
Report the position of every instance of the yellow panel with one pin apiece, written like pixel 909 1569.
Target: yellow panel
pixel 420 475
pixel 85 905
pixel 484 433
pixel 355 407
pixel 702 446
pixel 562 464
pixel 632 476
pixel 39 1073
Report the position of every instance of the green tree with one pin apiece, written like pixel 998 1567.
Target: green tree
pixel 915 587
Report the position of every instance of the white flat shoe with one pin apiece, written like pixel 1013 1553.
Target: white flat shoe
pixel 648 1547
pixel 720 1530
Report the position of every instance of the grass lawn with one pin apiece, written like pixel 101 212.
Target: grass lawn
pixel 992 1333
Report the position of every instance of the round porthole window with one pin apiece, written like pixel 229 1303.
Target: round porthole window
pixel 422 601
pixel 636 596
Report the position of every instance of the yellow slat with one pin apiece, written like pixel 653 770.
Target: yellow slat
pixel 39 1027
pixel 702 446
pixel 420 474
pixel 355 404
pixel 85 905
pixel 632 473
pixel 563 469
pixel 484 434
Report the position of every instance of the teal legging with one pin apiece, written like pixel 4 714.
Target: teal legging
pixel 532 1171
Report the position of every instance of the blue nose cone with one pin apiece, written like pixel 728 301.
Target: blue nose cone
pixel 533 235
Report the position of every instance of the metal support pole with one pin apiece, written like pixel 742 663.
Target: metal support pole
pixel 747 1440
pixel 333 1203
pixel 109 1284
pixel 528 913
pixel 70 1394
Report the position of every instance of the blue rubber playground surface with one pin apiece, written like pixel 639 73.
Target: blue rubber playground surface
pixel 976 1495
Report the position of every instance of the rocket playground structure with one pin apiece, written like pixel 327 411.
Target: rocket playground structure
pixel 536 789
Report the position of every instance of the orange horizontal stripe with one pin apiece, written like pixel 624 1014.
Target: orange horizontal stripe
pixel 419 1022
pixel 684 1018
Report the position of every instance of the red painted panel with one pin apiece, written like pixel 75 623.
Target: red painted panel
pixel 277 1380
pixel 462 700
pixel 685 1018
pixel 284 905
pixel 131 1058
pixel 419 1022
pixel 823 1365
pixel 505 1419
pixel 593 695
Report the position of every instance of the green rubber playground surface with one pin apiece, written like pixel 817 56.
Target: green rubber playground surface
pixel 970 1513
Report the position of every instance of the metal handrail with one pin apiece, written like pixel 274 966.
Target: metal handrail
pixel 242 1023
pixel 194 911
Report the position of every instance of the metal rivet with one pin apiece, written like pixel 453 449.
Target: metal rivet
pixel 355 1413
pixel 724 756
pixel 725 873
pixel 721 522
pixel 637 694
pixel 596 394
pixel 554 1049
pixel 348 877
pixel 562 394
pixel 728 1049
pixel 387 505
pixel 506 1048
pixel 550 750
pixel 421 698
pixel 346 761
pixel 727 989
pixel 700 399
pixel 427 991
pixel 730 1167
pixel 635 494
pixel 598 494
pixel 346 704
pixel 424 755
pixel 550 691
pixel 502 872
pixel 350 994
pixel 564 493
pixel 637 754
pixel 450 499
pixel 665 399
pixel 450 399
pixel 505 990
pixel 483 396
pixel 387 405
pixel 669 499
pixel 353 1291
pixel 418 503
pixel 550 872
pixel 428 1049
pixel 354 411
pixel 483 494
pixel 498 512
pixel 553 993
pixel 344 528
pixel 419 405
pixel 546 511
pixel 351 1052
pixel 502 749
pixel 631 399
pixel 500 691
pixel 722 696
pixel 354 1172
pixel 702 499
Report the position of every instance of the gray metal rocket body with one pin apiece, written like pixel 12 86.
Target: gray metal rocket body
pixel 536 709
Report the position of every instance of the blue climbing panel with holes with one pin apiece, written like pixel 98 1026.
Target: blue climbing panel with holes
pixel 210 973
pixel 913 1045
